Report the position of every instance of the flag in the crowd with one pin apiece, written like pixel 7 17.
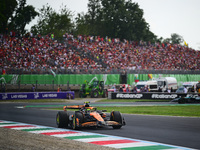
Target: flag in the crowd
pixel 53 73
pixel 136 77
pixel 186 44
pixel 150 76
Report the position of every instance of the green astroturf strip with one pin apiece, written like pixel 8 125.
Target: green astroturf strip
pixel 156 147
pixel 38 129
pixel 113 105
pixel 7 123
pixel 44 106
pixel 83 137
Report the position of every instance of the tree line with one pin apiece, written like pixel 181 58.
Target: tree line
pixel 112 18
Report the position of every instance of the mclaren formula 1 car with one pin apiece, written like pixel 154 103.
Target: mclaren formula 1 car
pixel 187 99
pixel 88 116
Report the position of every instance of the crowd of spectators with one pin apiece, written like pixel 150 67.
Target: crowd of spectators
pixel 91 54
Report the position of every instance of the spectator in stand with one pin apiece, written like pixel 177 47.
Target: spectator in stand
pixel 39 53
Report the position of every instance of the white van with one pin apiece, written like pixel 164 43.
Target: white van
pixel 152 85
pixel 189 86
pixel 166 83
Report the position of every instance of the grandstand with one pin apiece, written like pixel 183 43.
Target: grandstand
pixel 89 55
pixel 21 55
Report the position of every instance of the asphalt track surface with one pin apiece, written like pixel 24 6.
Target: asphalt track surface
pixel 179 131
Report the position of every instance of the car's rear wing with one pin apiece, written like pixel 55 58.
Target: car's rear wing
pixel 77 107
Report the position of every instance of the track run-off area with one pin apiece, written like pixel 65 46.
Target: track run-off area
pixel 93 138
pixel 141 131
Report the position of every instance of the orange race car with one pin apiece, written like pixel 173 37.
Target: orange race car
pixel 88 116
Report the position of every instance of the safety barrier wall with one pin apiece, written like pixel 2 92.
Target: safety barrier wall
pixel 165 96
pixel 37 95
pixel 109 79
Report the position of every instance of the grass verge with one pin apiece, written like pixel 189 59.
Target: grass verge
pixel 133 100
pixel 187 111
pixel 180 110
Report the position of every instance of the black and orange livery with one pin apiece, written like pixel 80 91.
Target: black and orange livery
pixel 88 116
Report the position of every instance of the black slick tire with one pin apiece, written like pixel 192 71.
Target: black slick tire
pixel 77 120
pixel 62 119
pixel 116 116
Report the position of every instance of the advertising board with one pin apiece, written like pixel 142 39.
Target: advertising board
pixel 36 95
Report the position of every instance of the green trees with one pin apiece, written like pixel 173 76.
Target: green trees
pixel 176 39
pixel 52 22
pixel 15 14
pixel 115 18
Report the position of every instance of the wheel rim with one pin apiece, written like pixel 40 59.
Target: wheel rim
pixel 74 123
pixel 57 119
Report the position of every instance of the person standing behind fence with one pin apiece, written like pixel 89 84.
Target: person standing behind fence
pixel 59 89
pixel 134 90
pixel 33 88
pixel 127 89
pixel 185 90
pixel 120 89
pixel 198 88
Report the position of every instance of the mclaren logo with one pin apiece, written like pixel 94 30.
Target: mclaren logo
pixel 129 95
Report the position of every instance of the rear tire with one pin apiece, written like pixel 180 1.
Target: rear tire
pixel 77 120
pixel 62 119
pixel 116 116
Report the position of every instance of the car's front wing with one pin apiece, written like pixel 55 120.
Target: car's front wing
pixel 99 123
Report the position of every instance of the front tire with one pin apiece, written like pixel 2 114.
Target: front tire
pixel 116 116
pixel 62 119
pixel 77 120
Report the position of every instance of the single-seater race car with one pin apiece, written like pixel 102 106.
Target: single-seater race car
pixel 187 99
pixel 88 116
